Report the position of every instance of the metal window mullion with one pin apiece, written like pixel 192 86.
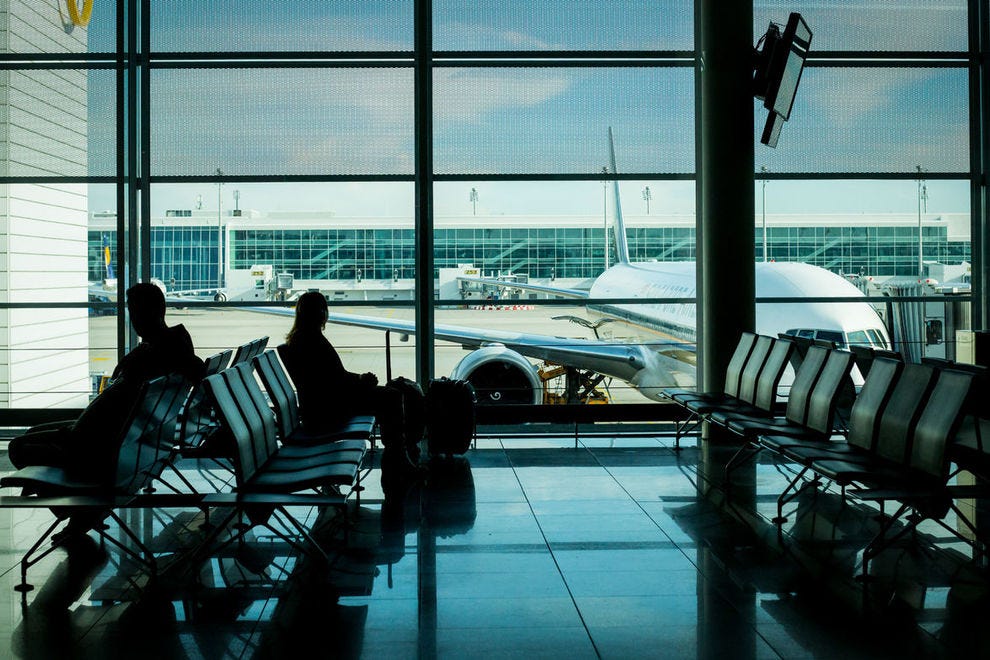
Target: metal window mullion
pixel 120 186
pixel 131 151
pixel 144 100
pixel 979 147
pixel 423 128
pixel 699 197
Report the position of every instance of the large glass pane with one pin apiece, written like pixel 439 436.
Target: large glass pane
pixel 555 120
pixel 531 280
pixel 351 241
pixel 58 122
pixel 301 25
pixel 273 122
pixel 65 26
pixel 874 119
pixel 867 233
pixel 881 25
pixel 50 129
pixel 521 25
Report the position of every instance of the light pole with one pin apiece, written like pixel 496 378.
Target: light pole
pixel 922 197
pixel 763 208
pixel 474 201
pixel 605 212
pixel 647 196
pixel 219 231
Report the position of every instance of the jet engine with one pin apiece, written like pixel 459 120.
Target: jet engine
pixel 500 375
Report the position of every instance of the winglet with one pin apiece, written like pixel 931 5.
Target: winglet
pixel 621 246
pixel 107 263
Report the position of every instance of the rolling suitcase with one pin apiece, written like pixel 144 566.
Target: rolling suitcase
pixel 413 413
pixel 450 422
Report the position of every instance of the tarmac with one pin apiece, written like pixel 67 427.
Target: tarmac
pixel 361 349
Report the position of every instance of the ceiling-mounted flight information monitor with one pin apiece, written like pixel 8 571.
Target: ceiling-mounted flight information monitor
pixel 779 63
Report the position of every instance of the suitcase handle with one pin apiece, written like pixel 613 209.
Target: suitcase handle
pixel 388 356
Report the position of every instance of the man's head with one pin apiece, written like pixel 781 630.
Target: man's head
pixel 146 305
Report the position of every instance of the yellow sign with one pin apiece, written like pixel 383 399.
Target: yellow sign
pixel 80 18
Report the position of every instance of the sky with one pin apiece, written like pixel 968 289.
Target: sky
pixel 358 121
pixel 495 198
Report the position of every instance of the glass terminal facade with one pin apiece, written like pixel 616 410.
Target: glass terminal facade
pixel 388 140
pixel 184 257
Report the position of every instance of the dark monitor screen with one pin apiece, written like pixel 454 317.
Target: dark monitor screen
pixel 786 66
pixel 771 131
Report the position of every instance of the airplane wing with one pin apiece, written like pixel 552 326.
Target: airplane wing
pixel 647 366
pixel 613 359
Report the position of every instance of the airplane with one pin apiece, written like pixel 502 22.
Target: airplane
pixel 105 290
pixel 662 352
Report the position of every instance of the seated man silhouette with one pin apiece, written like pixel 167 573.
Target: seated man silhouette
pixel 86 447
pixel 329 394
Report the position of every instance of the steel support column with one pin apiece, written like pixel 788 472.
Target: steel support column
pixel 726 270
pixel 726 275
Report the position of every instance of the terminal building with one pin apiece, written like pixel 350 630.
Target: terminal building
pixel 335 253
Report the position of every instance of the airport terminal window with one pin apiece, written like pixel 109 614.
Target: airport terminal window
pixel 272 151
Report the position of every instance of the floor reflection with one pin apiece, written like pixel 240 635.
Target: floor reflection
pixel 551 551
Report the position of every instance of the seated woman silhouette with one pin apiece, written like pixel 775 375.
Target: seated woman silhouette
pixel 86 447
pixel 329 394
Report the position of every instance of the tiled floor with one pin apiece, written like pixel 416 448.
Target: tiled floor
pixel 522 549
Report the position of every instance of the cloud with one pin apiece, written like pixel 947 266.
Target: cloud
pixel 470 94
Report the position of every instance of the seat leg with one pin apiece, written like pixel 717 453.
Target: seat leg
pixel 27 561
pixel 783 498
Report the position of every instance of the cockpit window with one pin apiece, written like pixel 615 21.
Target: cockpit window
pixel 859 338
pixel 877 338
pixel 867 337
pixel 832 336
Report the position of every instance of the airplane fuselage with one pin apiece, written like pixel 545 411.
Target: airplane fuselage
pixel 850 321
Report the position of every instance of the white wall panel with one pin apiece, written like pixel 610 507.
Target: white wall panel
pixel 44 353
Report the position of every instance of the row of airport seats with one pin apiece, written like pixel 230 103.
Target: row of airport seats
pixel 751 382
pixel 272 467
pixel 911 429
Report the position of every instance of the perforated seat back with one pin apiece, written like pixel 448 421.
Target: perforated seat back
pixel 252 430
pixel 196 418
pixel 825 395
pixel 219 390
pixel 149 433
pixel 249 350
pixel 250 390
pixel 280 391
pixel 864 419
pixel 218 361
pixel 902 412
pixel 804 382
pixel 772 372
pixel 751 372
pixel 733 372
pixel 939 422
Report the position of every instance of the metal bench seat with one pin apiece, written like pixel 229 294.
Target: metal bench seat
pixel 141 454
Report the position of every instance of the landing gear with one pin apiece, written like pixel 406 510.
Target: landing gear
pixel 563 384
